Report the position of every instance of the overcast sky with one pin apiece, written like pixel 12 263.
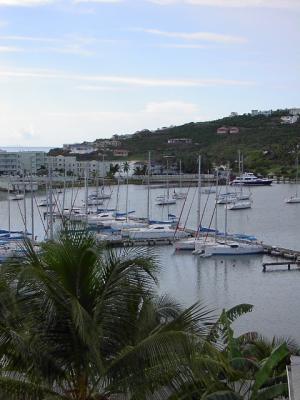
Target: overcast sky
pixel 74 70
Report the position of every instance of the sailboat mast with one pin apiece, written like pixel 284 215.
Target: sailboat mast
pixel 180 178
pixel 64 190
pixel 51 200
pixel 86 190
pixel 148 186
pixel 240 170
pixel 8 206
pixel 297 169
pixel 103 173
pixel 24 203
pixel 32 208
pixel 199 196
pixel 226 208
pixel 168 188
pixel 216 204
pixel 127 168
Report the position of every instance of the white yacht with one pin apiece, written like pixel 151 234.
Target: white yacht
pixel 249 179
pixel 295 198
pixel 165 201
pixel 239 205
pixel 226 198
pixel 228 248
pixel 101 195
pixel 16 196
pixel 179 195
pixel 190 244
pixel 156 232
pixel 43 203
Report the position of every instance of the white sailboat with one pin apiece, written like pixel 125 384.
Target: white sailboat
pixel 156 232
pixel 229 248
pixel 16 196
pixel 242 201
pixel 239 205
pixel 225 246
pixel 166 200
pixel 190 243
pixel 180 195
pixel 295 198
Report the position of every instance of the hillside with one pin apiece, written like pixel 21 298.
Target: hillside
pixel 267 145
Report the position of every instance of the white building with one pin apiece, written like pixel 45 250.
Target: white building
pixel 295 111
pixel 266 113
pixel 71 166
pixel 290 119
pixel 76 148
pixel 13 163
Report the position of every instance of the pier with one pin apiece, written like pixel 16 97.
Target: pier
pixel 282 263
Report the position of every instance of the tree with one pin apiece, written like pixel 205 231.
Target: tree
pixel 126 167
pixel 113 169
pixel 83 323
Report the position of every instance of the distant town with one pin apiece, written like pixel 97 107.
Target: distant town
pixel 102 155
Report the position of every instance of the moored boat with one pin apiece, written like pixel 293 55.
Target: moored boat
pixel 249 179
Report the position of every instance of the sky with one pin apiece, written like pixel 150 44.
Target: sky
pixel 75 70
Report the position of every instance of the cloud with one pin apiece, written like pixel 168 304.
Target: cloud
pixel 199 36
pixel 151 116
pixel 171 107
pixel 69 44
pixel 9 49
pixel 183 46
pixel 98 1
pixel 119 80
pixel 26 3
pixel 232 3
pixel 53 128
pixel 98 88
pixel 19 38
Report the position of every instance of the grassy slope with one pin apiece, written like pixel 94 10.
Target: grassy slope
pixel 257 134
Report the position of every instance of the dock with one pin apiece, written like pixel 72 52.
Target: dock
pixel 280 264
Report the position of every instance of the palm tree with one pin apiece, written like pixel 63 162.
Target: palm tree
pixel 252 369
pixel 84 323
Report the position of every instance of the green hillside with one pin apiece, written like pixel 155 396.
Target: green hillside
pixel 267 145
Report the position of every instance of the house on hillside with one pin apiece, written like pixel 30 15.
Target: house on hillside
pixel 228 130
pixel 290 119
pixel 233 130
pixel 120 153
pixel 295 111
pixel 266 113
pixel 223 130
pixel 180 141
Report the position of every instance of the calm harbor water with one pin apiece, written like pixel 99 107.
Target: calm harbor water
pixel 218 281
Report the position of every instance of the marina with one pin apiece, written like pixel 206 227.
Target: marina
pixel 271 221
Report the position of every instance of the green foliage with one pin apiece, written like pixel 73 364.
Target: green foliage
pixel 80 322
pixel 267 145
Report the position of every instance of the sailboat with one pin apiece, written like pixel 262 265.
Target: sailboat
pixel 295 198
pixel 180 195
pixel 15 196
pixel 243 200
pixel 190 243
pixel 225 246
pixel 166 200
pixel 239 205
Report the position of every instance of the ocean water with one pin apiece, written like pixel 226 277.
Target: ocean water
pixel 24 148
pixel 218 282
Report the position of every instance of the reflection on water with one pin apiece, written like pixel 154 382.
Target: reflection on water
pixel 222 282
pixel 219 281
